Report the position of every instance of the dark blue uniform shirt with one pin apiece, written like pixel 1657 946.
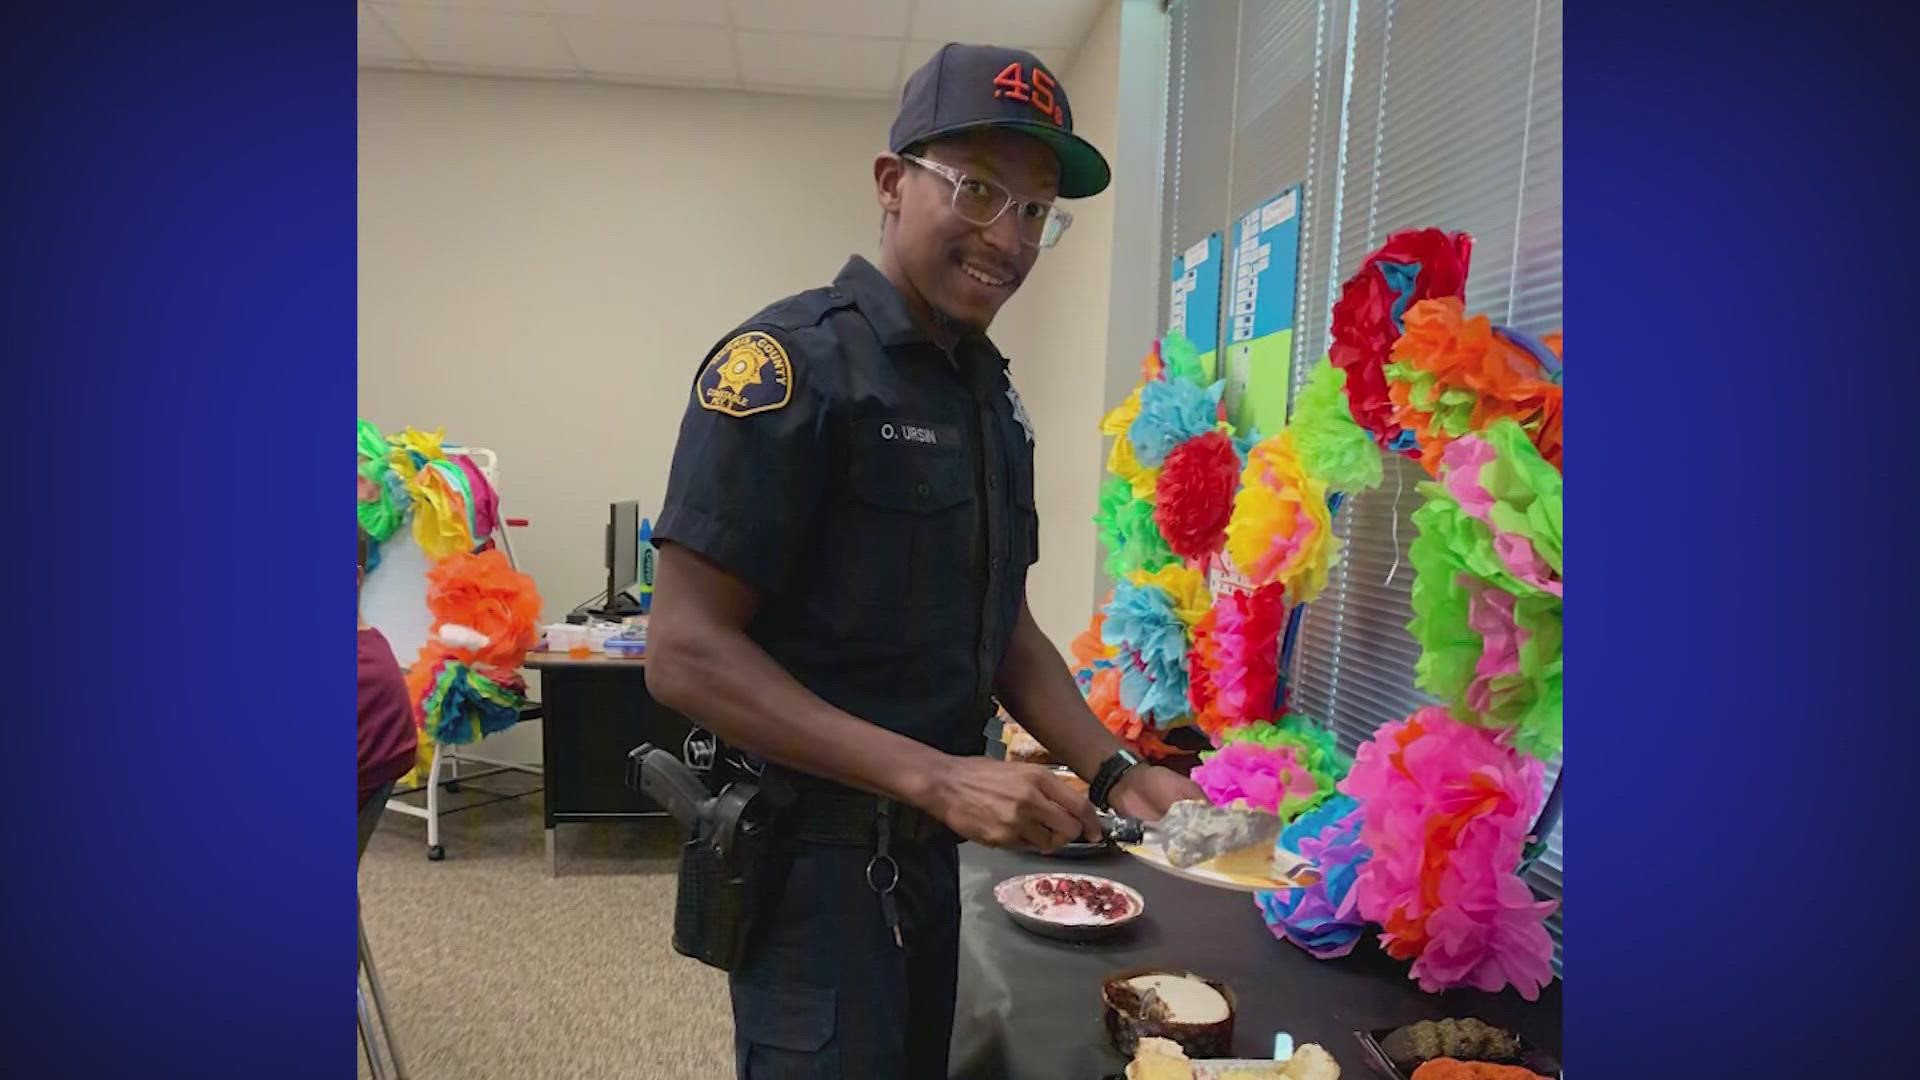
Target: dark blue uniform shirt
pixel 877 491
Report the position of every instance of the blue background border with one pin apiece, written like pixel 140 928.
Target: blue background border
pixel 1738 220
pixel 179 287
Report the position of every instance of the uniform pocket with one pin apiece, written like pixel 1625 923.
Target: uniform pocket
pixel 914 526
pixel 784 1032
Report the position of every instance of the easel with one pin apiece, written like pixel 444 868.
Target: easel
pixel 444 771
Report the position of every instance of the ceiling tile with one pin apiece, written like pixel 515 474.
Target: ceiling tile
pixel 476 38
pixel 919 52
pixel 799 61
pixel 535 6
pixel 1038 22
pixel 376 41
pixel 685 12
pixel 916 55
pixel 858 18
pixel 628 48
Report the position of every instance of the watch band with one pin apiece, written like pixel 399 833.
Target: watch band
pixel 1109 774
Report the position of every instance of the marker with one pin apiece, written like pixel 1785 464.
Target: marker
pixel 646 565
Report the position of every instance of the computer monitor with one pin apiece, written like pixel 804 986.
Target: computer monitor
pixel 623 549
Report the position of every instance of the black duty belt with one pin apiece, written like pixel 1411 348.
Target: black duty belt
pixel 853 819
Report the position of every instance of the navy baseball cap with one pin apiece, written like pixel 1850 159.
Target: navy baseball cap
pixel 971 87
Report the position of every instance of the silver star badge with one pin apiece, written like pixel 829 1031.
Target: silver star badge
pixel 1020 411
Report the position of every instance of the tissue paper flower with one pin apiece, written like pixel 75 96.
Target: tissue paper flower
pixel 1186 589
pixel 381 512
pixel 460 703
pixel 1486 594
pixel 1269 778
pixel 1202 667
pixel 1322 918
pixel 1446 811
pixel 1281 530
pixel 1193 495
pixel 485 593
pixel 484 506
pixel 1170 414
pixel 1313 746
pixel 1152 643
pixel 1332 447
pixel 411 450
pixel 1124 523
pixel 1410 267
pixel 1180 360
pixel 1451 375
pixel 1120 459
pixel 440 523
pixel 1088 648
pixel 1103 699
pixel 1246 648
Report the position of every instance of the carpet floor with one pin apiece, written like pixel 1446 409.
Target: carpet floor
pixel 491 970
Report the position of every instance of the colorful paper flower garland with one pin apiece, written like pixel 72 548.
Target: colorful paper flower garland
pixel 1487 588
pixel 1446 810
pixel 465 682
pixel 1368 318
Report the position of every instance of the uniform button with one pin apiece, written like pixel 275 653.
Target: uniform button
pixel 993 482
pixel 921 489
pixel 997 561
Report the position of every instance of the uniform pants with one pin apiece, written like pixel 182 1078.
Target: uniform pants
pixel 826 994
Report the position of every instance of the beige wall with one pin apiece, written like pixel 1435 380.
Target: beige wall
pixel 1055 333
pixel 544 265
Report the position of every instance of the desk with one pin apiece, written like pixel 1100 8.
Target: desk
pixel 597 711
pixel 1029 1007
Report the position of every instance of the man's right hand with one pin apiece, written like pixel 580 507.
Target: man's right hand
pixel 1011 804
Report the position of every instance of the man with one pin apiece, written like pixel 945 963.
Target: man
pixel 841 585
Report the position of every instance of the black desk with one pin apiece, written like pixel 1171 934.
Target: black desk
pixel 597 711
pixel 1029 1007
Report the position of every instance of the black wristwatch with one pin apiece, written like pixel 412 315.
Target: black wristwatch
pixel 1109 774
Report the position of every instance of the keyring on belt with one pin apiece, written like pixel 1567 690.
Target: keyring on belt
pixel 892 880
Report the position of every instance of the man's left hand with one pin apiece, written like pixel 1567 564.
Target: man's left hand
pixel 1145 792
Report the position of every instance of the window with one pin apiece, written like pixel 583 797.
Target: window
pixel 1392 115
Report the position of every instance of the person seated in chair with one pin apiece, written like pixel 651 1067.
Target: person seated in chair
pixel 388 744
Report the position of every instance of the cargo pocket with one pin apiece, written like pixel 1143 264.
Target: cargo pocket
pixel 784 1032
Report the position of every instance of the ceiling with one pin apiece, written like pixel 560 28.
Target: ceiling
pixel 840 48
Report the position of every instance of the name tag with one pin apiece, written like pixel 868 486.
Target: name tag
pixel 915 434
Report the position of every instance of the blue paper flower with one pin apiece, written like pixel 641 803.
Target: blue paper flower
pixel 1141 623
pixel 1322 918
pixel 1170 414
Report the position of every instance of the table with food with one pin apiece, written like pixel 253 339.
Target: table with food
pixel 1146 957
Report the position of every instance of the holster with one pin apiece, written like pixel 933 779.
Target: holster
pixel 731 875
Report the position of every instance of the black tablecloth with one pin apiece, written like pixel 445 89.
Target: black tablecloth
pixel 1029 1007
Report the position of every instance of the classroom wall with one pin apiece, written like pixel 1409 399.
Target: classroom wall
pixel 544 265
pixel 1055 333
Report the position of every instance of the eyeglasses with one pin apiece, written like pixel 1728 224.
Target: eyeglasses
pixel 981 202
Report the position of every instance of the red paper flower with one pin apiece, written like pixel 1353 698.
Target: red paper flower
pixel 1193 498
pixel 1364 324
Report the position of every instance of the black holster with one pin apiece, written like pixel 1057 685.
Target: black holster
pixel 731 874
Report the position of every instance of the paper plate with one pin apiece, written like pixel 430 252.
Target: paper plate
pixel 1011 893
pixel 1254 869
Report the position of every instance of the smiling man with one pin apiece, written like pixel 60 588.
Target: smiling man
pixel 841 593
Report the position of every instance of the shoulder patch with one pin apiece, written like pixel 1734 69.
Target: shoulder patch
pixel 749 374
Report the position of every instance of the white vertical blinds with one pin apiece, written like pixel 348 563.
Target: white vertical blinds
pixel 1393 115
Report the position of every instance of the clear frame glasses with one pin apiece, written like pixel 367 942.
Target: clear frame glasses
pixel 981 202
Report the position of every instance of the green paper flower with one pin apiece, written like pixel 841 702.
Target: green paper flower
pixel 1127 530
pixel 1333 447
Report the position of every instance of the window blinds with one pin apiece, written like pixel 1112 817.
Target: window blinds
pixel 1392 115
